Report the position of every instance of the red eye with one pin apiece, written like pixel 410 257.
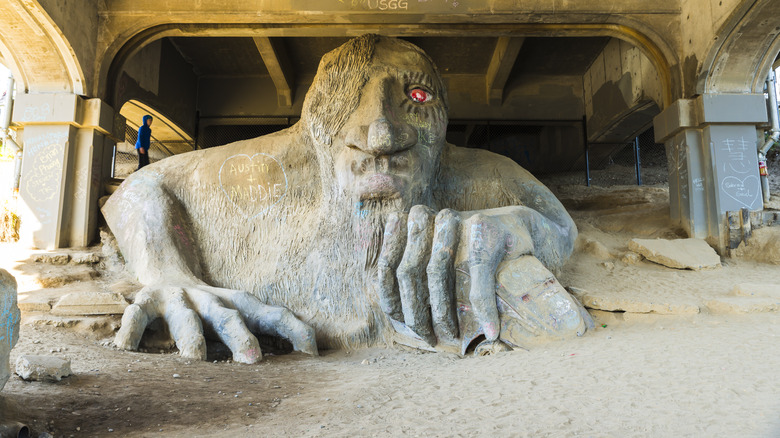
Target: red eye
pixel 419 95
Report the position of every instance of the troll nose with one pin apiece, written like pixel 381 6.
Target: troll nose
pixel 383 138
pixel 380 137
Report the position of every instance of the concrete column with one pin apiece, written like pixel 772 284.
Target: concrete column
pixel 711 148
pixel 65 139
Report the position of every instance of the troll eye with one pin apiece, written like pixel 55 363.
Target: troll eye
pixel 418 95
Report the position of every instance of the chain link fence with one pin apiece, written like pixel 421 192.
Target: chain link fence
pixel 640 162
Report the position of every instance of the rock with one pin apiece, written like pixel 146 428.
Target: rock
pixel 631 258
pixel 52 258
pixel 42 368
pixel 596 249
pixel 577 292
pixel 9 323
pixel 757 290
pixel 693 254
pixel 90 303
pixel 761 247
pixel 85 258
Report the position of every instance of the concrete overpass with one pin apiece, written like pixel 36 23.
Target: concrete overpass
pixel 696 67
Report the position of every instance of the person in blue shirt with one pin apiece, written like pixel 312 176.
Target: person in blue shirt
pixel 142 144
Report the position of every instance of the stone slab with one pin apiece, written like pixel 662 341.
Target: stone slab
pixel 52 258
pixel 611 303
pixel 693 254
pixel 90 303
pixel 612 318
pixel 767 290
pixel 35 304
pixel 61 276
pixel 9 323
pixel 85 258
pixel 730 305
pixel 42 368
pixel 95 327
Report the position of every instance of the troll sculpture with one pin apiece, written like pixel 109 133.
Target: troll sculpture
pixel 358 225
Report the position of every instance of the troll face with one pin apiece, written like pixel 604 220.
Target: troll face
pixel 378 117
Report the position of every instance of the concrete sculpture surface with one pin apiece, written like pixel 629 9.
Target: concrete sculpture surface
pixel 9 323
pixel 358 225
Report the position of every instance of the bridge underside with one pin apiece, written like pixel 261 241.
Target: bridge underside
pixel 535 82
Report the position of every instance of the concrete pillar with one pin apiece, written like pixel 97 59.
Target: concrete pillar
pixel 65 141
pixel 711 147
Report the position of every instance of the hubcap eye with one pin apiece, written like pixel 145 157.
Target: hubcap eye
pixel 418 95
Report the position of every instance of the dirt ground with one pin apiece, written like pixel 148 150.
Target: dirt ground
pixel 694 370
pixel 669 376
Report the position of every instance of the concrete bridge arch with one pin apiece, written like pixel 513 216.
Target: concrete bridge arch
pixel 36 50
pixel 632 103
pixel 742 53
pixel 111 61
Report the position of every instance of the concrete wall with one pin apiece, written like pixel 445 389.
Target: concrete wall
pixel 245 96
pixel 701 22
pixel 527 97
pixel 159 77
pixel 620 82
pixel 79 21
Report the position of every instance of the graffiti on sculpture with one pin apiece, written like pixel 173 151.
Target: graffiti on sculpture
pixel 360 225
pixel 253 184
pixel 9 318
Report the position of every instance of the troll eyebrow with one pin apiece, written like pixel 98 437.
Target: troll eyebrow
pixel 416 78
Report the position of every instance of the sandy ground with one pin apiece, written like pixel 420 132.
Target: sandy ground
pixel 695 372
pixel 696 376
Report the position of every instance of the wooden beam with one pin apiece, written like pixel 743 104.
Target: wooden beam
pixel 278 66
pixel 500 66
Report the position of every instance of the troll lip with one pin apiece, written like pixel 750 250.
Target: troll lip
pixel 381 185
